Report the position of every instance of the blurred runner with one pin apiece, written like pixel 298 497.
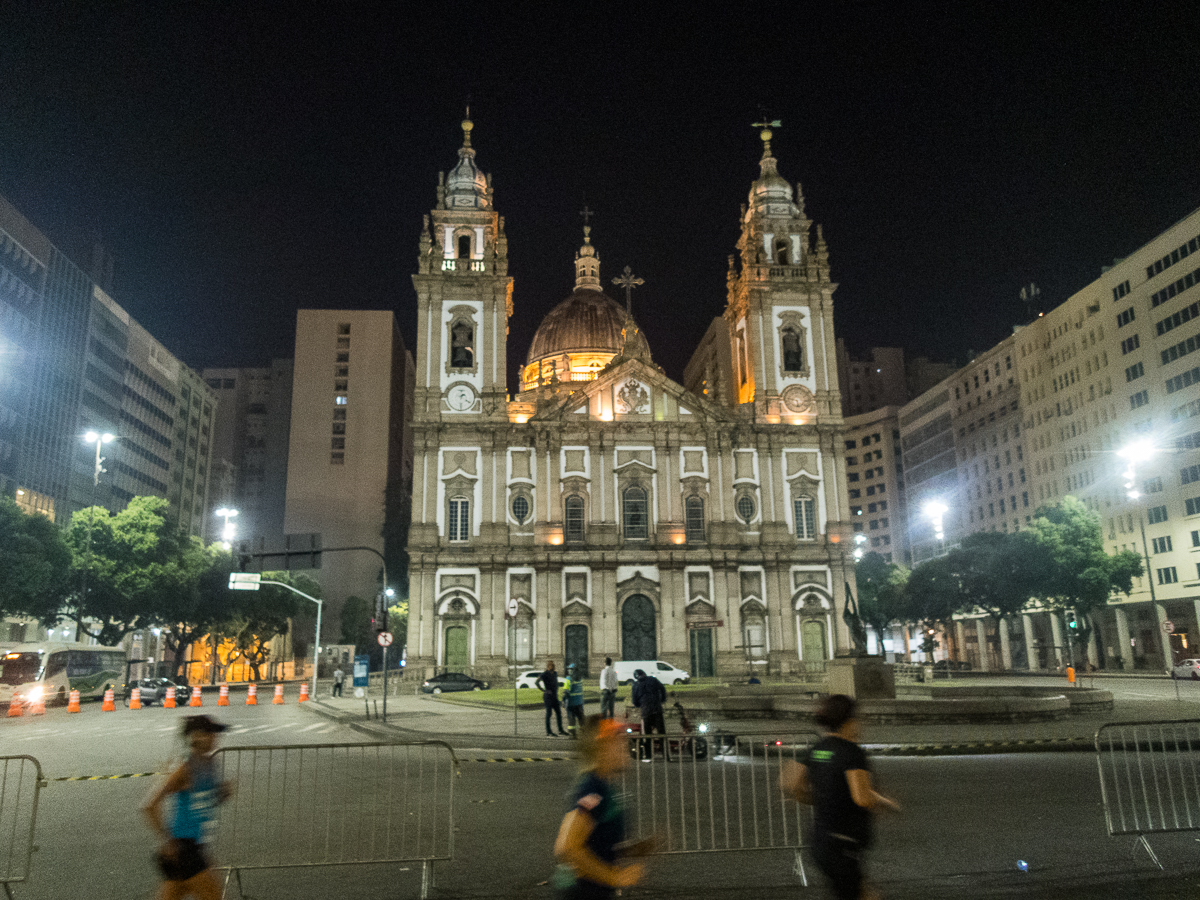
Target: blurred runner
pixel 186 869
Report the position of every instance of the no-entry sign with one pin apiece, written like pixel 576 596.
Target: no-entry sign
pixel 384 638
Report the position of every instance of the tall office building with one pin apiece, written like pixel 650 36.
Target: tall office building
pixel 349 440
pixel 876 486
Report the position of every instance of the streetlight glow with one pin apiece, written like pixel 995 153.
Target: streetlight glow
pixel 229 532
pixel 934 510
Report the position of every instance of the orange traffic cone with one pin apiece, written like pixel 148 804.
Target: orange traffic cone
pixel 73 702
pixel 252 695
pixel 14 708
pixel 37 706
pixel 303 691
pixel 108 705
pixel 223 699
pixel 195 701
pixel 169 702
pixel 135 698
pixel 278 695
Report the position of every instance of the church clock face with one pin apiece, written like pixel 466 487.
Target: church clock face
pixel 460 398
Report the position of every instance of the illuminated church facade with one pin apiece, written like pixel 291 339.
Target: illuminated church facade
pixel 605 509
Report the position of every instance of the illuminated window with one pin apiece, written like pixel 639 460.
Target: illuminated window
pixel 460 519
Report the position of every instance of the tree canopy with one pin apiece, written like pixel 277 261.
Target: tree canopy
pixel 35 564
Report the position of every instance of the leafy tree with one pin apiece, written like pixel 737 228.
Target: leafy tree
pixel 260 616
pixel 880 591
pixel 202 604
pixel 134 561
pixel 35 564
pixel 931 596
pixel 356 621
pixel 994 573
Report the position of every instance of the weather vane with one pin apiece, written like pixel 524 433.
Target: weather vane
pixel 628 281
pixel 766 125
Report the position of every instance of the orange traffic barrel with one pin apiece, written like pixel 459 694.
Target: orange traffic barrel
pixel 14 708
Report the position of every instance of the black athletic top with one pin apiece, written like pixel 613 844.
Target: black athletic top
pixel 835 811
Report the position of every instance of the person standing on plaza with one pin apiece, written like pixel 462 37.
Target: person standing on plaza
pixel 547 683
pixel 589 844
pixel 339 678
pixel 648 696
pixel 836 781
pixel 608 688
pixel 574 698
pixel 186 869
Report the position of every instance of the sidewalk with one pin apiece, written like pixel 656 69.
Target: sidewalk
pixel 424 717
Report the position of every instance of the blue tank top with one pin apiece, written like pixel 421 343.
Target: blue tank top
pixel 195 805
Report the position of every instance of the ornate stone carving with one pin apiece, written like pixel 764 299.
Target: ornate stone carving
pixel 633 397
pixel 799 400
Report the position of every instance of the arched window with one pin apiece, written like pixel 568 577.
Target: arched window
pixel 573 519
pixel 459 521
pixel 693 519
pixel 793 353
pixel 806 520
pixel 633 514
pixel 462 346
pixel 464 246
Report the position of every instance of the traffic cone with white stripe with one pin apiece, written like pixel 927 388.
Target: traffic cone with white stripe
pixel 303 691
pixel 195 701
pixel 223 698
pixel 73 703
pixel 37 706
pixel 135 698
pixel 278 701
pixel 169 702
pixel 252 695
pixel 109 704
pixel 15 709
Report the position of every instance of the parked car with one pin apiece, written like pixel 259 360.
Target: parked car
pixel 529 679
pixel 452 681
pixel 154 690
pixel 1187 668
pixel 655 668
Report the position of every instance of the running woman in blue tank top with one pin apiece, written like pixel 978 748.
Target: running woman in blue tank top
pixel 185 867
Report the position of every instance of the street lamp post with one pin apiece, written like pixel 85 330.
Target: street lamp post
pixel 935 511
pixel 1139 451
pixel 93 437
pixel 229 531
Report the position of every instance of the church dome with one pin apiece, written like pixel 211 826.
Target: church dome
pixel 587 321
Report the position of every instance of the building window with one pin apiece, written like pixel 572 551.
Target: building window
pixel 1130 344
pixel 1192 506
pixel 462 346
pixel 343 356
pixel 1134 372
pixel 693 519
pixel 1167 575
pixel 805 512
pixel 1124 318
pixel 460 519
pixel 1138 400
pixel 340 400
pixel 1161 544
pixel 573 518
pixel 464 246
pixel 344 328
pixel 745 508
pixel 793 354
pixel 520 508
pixel 339 443
pixel 633 514
pixel 337 458
pixel 1156 514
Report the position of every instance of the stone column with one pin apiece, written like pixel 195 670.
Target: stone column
pixel 1005 645
pixel 1057 636
pixel 1164 639
pixel 1031 658
pixel 1093 647
pixel 961 634
pixel 1123 647
pixel 981 635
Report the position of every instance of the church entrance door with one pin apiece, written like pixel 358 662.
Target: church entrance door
pixel 701 640
pixel 813 642
pixel 576 644
pixel 638 640
pixel 458 655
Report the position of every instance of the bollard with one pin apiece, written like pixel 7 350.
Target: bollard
pixel 109 704
pixel 169 702
pixel 223 698
pixel 278 695
pixel 303 691
pixel 73 703
pixel 252 695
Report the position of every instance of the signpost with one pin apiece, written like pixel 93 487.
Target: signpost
pixel 511 609
pixel 385 640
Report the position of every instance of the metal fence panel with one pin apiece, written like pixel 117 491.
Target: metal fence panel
pixel 715 792
pixel 21 782
pixel 1150 776
pixel 336 804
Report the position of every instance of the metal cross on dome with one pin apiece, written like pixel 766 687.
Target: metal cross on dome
pixel 628 281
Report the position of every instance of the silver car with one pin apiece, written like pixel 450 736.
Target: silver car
pixel 1187 668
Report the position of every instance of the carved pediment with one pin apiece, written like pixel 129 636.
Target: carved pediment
pixel 576 609
pixel 700 609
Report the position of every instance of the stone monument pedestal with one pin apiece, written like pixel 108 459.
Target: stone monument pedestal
pixel 861 677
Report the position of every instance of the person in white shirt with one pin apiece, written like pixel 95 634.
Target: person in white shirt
pixel 608 688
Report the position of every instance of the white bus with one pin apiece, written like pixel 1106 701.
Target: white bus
pixel 50 672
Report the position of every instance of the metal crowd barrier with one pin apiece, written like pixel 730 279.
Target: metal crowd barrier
pixel 716 793
pixel 1150 778
pixel 20 783
pixel 336 804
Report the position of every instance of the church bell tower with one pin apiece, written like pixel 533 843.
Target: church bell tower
pixel 464 298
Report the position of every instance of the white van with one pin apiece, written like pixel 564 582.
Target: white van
pixel 664 672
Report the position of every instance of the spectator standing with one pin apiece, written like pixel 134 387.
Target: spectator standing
pixel 608 688
pixel 574 698
pixel 587 848
pixel 547 683
pixel 648 696
pixel 339 678
pixel 836 781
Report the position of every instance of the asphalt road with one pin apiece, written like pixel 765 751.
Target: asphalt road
pixel 967 821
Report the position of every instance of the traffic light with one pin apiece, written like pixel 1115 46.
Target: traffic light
pixel 1072 622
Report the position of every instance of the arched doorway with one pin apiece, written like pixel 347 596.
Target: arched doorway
pixel 458 652
pixel 638 639
pixel 575 645
pixel 812 637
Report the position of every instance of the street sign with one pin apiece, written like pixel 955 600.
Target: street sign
pixel 1168 627
pixel 512 606
pixel 708 623
pixel 244 581
pixel 384 638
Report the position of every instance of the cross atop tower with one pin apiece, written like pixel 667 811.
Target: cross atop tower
pixel 628 281
pixel 586 214
pixel 766 134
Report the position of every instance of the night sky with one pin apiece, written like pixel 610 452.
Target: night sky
pixel 243 163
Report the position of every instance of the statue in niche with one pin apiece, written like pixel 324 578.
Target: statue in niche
pixel 793 354
pixel 462 354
